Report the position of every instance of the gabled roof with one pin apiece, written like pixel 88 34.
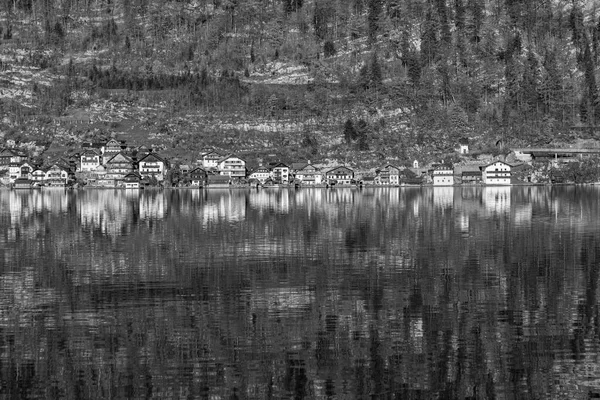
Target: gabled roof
pixel 306 166
pixel 152 157
pixel 214 153
pixel 198 169
pixel 90 151
pixel 340 167
pixel 296 166
pixel 387 166
pixel 442 166
pixel 230 156
pixel 119 158
pixel 10 152
pixel 277 165
pixel 492 163
pixel 260 168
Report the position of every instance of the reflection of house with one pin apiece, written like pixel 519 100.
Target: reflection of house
pixel 388 175
pixel 56 176
pixel 151 165
pixel 198 176
pixel 496 173
pixel 261 174
pixel 340 175
pixel 309 175
pixel 443 175
pixel 232 166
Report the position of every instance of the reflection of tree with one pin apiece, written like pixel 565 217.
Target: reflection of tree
pixel 276 294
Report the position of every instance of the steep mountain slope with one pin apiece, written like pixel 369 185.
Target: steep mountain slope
pixel 357 81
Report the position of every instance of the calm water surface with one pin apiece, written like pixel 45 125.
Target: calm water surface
pixel 479 293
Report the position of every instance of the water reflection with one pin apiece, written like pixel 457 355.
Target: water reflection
pixel 385 293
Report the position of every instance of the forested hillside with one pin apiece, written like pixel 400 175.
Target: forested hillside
pixel 344 80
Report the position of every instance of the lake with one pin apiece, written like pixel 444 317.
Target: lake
pixel 407 293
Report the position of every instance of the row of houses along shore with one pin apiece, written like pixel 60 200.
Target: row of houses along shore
pixel 113 164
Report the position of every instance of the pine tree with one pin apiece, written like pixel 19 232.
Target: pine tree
pixel 530 83
pixel 350 134
pixel 375 9
pixel 429 39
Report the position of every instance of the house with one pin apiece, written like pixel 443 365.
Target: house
pixel 496 173
pixel 56 176
pixel 10 156
pixel 26 170
pixel 463 146
pixel 198 177
pixel 261 174
pixel 14 171
pixel 22 183
pixel 280 172
pixel 309 175
pixel 340 175
pixel 387 175
pixel 218 181
pixel 132 180
pixel 210 159
pixel 117 167
pixel 152 165
pixel 111 149
pixel 89 160
pixel 232 166
pixel 142 151
pixel 471 177
pixel 443 174
pixel 38 175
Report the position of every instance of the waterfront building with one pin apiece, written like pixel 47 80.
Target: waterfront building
pixel 232 166
pixel 340 175
pixel 496 173
pixel 443 174
pixel 152 165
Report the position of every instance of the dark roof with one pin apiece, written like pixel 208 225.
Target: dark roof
pixel 152 155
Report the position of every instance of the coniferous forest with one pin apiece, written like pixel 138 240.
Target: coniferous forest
pixel 337 79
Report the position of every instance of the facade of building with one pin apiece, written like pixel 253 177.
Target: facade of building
pixel 210 159
pixel 89 160
pixel 280 173
pixel 152 165
pixel 388 175
pixel 443 175
pixel 232 166
pixel 261 174
pixel 117 167
pixel 496 173
pixel 339 176
pixel 10 156
pixel 198 177
pixel 56 176
pixel 309 175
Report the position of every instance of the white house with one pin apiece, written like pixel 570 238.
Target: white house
pixel 211 159
pixel 151 165
pixel 443 175
pixel 232 166
pixel 280 172
pixel 56 176
pixel 309 175
pixel 261 174
pixel 89 160
pixel 496 173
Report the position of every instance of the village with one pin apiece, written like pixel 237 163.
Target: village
pixel 114 164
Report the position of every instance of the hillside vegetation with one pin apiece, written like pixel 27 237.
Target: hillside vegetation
pixel 358 81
